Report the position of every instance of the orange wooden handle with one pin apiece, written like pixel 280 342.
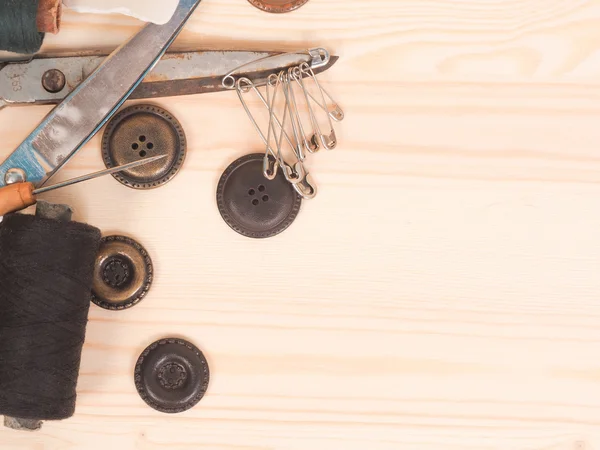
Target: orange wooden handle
pixel 16 197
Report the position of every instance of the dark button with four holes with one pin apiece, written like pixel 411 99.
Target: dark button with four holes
pixel 253 205
pixel 122 275
pixel 143 131
pixel 171 375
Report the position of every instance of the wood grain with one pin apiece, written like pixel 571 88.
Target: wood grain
pixel 441 292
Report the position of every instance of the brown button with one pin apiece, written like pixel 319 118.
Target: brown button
pixel 171 375
pixel 253 205
pixel 278 6
pixel 143 131
pixel 122 275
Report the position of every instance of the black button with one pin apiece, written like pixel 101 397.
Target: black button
pixel 139 132
pixel 251 204
pixel 171 375
pixel 278 6
pixel 122 275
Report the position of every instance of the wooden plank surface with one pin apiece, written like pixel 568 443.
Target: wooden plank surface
pixel 441 293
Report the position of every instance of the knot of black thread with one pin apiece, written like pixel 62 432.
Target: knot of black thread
pixel 46 270
pixel 18 26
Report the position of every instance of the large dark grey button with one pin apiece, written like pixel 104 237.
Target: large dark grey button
pixel 253 205
pixel 139 132
pixel 278 6
pixel 123 273
pixel 171 375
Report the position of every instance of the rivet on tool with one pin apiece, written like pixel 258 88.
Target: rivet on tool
pixel 15 175
pixel 278 6
pixel 123 273
pixel 142 131
pixel 54 81
pixel 171 375
pixel 252 205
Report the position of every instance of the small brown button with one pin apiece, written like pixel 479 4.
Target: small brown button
pixel 253 205
pixel 171 375
pixel 143 131
pixel 122 275
pixel 278 6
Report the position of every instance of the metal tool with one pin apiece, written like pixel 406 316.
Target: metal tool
pixel 89 106
pixel 101 173
pixel 19 194
pixel 47 79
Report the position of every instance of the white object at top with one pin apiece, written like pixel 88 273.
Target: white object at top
pixel 157 11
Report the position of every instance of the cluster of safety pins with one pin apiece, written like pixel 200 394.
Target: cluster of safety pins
pixel 288 139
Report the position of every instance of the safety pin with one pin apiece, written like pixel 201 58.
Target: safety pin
pixel 288 171
pixel 245 85
pixel 297 173
pixel 311 145
pixel 271 165
pixel 329 141
pixel 295 118
pixel 270 168
pixel 251 85
pixel 319 57
pixel 334 109
pixel 306 188
pixel 294 175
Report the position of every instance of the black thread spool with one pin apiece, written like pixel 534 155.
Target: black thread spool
pixel 18 26
pixel 46 267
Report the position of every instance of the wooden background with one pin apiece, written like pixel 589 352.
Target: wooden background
pixel 443 290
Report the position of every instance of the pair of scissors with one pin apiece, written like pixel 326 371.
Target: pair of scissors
pixel 47 80
pixel 89 89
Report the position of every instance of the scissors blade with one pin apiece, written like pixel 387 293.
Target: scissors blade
pixel 177 73
pixel 185 79
pixel 90 105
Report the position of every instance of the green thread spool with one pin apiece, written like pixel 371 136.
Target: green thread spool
pixel 18 26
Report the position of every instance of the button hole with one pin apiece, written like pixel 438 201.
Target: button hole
pixel 261 188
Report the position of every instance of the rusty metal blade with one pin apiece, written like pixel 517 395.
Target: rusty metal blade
pixel 191 86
